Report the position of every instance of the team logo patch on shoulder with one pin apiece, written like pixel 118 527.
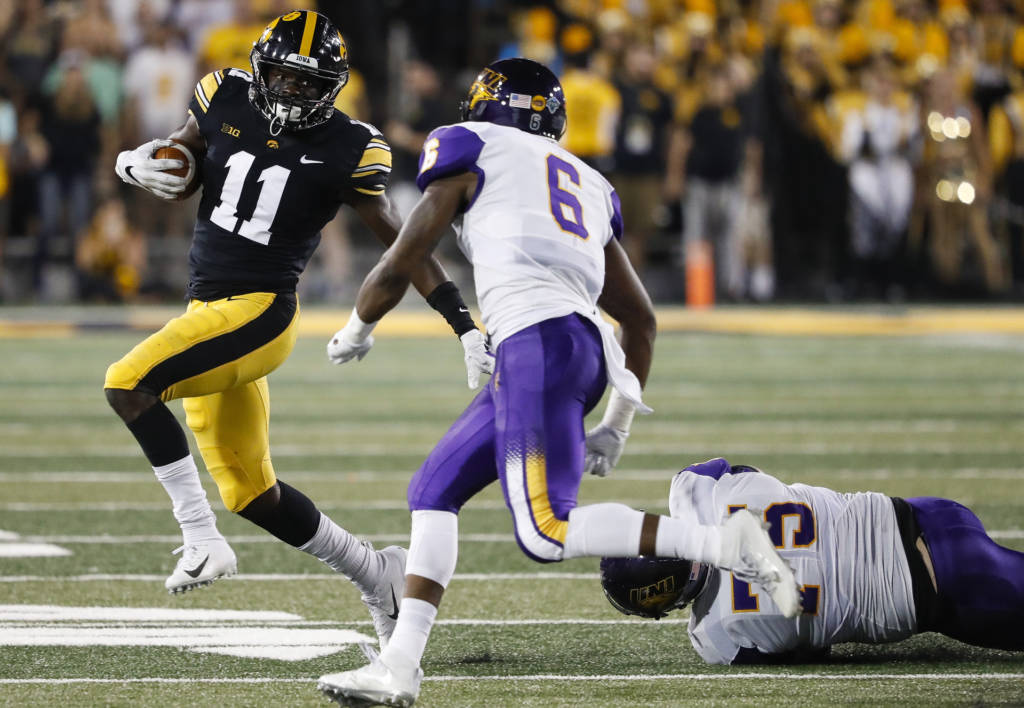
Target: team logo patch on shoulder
pixel 273 144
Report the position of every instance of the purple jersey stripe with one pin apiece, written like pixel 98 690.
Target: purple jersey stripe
pixel 616 216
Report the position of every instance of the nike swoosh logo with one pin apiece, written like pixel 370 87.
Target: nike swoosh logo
pixel 463 309
pixel 199 569
pixel 394 603
pixel 304 161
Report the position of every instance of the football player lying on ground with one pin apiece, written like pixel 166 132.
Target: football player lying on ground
pixel 276 161
pixel 872 569
pixel 541 230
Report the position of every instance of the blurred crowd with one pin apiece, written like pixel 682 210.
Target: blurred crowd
pixel 795 150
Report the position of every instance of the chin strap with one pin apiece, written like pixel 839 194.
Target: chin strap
pixel 276 120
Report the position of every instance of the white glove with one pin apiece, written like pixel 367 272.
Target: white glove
pixel 351 341
pixel 139 168
pixel 604 448
pixel 478 359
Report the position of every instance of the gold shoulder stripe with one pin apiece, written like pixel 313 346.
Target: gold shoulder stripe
pixel 374 155
pixel 371 192
pixel 378 142
pixel 209 85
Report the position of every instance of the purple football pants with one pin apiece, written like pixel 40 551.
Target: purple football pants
pixel 980 583
pixel 525 429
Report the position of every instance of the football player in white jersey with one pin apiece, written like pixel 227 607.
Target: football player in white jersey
pixel 541 230
pixel 871 569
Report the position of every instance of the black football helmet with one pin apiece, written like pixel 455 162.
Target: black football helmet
pixel 651 587
pixel 520 93
pixel 306 42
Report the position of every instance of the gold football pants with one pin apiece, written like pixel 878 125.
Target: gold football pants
pixel 216 358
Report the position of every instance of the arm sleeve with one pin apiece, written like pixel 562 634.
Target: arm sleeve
pixel 449 150
pixel 370 175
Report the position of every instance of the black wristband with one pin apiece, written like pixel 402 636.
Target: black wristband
pixel 447 300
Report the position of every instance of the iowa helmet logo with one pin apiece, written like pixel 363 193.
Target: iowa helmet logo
pixel 485 86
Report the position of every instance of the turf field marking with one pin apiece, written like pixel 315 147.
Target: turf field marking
pixel 12 545
pixel 391 449
pixel 206 631
pixel 31 550
pixel 347 477
pixel 276 577
pixel 49 613
pixel 996 676
pixel 103 539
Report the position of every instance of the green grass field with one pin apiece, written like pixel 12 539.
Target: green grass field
pixel 939 415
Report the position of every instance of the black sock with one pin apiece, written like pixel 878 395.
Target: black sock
pixel 160 435
pixel 295 519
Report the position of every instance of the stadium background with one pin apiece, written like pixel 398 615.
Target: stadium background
pixel 786 150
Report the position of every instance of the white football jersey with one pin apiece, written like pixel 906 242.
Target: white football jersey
pixel 535 230
pixel 845 550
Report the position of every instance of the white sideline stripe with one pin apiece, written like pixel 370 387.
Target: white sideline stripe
pixel 389 450
pixel 635 474
pixel 263 538
pixel 267 538
pixel 31 550
pixel 50 613
pixel 274 577
pixel 557 677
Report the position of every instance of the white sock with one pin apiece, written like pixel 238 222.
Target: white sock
pixel 433 553
pixel 603 530
pixel 678 538
pixel 409 641
pixel 189 502
pixel 345 554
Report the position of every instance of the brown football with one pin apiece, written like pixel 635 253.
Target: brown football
pixel 172 152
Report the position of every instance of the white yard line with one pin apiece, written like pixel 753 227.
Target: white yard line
pixel 349 476
pixel 278 577
pixel 556 677
pixel 104 539
pixel 783 447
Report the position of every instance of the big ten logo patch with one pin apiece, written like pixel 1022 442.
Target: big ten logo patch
pixel 230 130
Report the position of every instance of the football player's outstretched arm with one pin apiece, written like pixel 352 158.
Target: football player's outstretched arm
pixel 625 299
pixel 380 214
pixel 410 259
pixel 385 285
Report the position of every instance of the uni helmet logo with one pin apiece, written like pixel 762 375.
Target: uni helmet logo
pixel 342 49
pixel 294 15
pixel 484 87
pixel 538 103
pixel 273 144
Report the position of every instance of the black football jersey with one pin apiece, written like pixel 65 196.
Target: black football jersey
pixel 266 197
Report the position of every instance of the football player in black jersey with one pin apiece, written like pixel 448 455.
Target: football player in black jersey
pixel 274 160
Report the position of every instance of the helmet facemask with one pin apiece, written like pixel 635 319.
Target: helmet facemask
pixel 291 110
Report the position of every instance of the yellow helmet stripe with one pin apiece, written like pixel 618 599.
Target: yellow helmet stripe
pixel 307 33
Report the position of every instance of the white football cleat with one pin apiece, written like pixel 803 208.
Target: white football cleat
pixel 383 599
pixel 751 556
pixel 375 684
pixel 201 564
